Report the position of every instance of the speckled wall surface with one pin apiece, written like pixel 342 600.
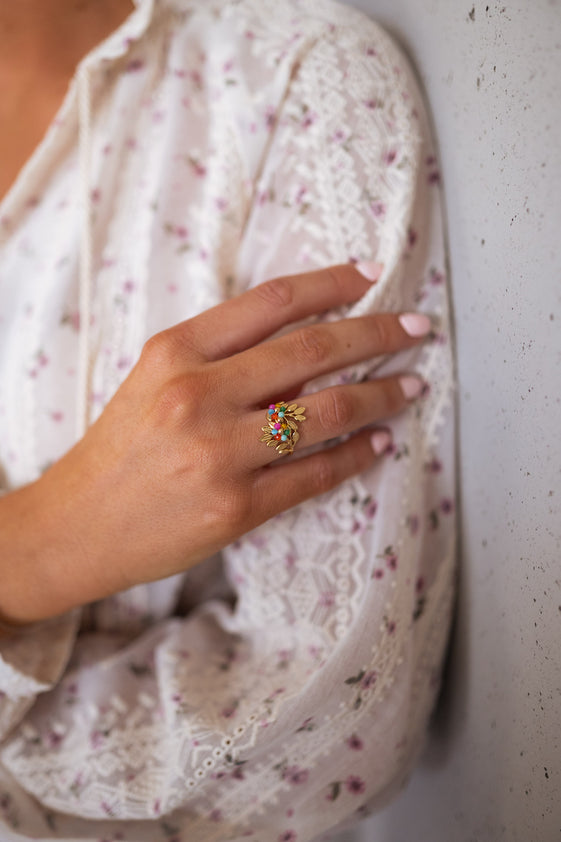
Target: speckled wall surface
pixel 492 72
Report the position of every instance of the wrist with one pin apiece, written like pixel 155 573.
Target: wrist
pixel 45 568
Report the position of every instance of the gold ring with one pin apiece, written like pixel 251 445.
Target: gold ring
pixel 281 431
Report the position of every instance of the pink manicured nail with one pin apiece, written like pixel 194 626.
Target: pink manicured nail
pixel 370 269
pixel 415 324
pixel 380 441
pixel 411 386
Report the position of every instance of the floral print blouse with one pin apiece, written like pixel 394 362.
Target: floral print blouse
pixel 281 689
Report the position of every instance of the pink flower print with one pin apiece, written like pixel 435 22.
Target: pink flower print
pixel 446 505
pixel 355 743
pixel 389 157
pixel 157 807
pixel 197 167
pixel 390 625
pixel 288 836
pixel 327 599
pixel 335 789
pixel 107 149
pixel 378 573
pixel 130 143
pixel 371 508
pixel 390 557
pixel 72 319
pixel 216 815
pixel 411 237
pixel 295 775
pixel 434 466
pixel 369 680
pixel 413 523
pixel 95 195
pixel 129 286
pixel 378 209
pixel 290 812
pixel 420 584
pixel 134 66
pixel 197 80
pixel 355 785
pixel 371 52
pixel 356 527
pixel 374 103
pixel 309 117
pixel 238 774
pixel 270 117
pixel 57 416
pixel 221 203
pixel 436 277
pixel 96 738
pixel 307 725
pixel 54 739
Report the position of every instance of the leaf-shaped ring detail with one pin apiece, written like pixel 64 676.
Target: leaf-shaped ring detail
pixel 281 431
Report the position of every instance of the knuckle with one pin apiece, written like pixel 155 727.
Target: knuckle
pixel 337 411
pixel 323 476
pixel 158 350
pixel 180 399
pixel 313 345
pixel 380 330
pixel 276 293
pixel 390 396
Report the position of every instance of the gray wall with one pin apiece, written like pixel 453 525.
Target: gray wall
pixel 492 73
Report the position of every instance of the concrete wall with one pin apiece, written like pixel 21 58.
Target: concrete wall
pixel 492 73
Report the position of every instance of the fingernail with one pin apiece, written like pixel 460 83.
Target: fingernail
pixel 411 386
pixel 380 441
pixel 370 269
pixel 415 324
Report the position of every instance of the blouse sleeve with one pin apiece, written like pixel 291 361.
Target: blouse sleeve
pixel 305 705
pixel 31 662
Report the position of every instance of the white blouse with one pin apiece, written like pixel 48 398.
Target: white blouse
pixel 282 688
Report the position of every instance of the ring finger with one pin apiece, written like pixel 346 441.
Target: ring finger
pixel 334 412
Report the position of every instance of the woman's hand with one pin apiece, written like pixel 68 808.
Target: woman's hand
pixel 174 469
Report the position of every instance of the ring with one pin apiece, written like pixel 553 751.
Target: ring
pixel 281 431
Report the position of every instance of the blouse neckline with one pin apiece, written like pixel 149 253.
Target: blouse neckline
pixel 117 44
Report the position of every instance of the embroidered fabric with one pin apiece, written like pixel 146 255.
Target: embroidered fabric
pixel 230 143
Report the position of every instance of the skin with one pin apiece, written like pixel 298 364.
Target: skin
pixel 173 469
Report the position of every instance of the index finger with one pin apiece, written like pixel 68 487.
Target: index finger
pixel 242 322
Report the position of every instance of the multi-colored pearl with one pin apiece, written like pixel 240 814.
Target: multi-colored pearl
pixel 279 429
